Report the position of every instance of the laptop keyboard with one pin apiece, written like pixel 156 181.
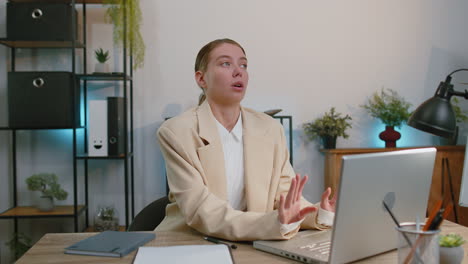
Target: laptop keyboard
pixel 320 248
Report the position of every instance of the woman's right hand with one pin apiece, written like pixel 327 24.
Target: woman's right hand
pixel 289 210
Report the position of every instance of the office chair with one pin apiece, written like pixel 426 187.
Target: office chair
pixel 150 216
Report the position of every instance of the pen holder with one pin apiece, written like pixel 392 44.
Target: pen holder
pixel 417 246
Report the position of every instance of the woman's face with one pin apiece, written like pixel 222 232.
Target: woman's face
pixel 225 79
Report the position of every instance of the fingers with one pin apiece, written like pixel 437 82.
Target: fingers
pixel 297 186
pixel 290 195
pixel 281 203
pixel 281 210
pixel 326 194
pixel 301 187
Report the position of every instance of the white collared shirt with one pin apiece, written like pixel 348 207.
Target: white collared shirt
pixel 233 149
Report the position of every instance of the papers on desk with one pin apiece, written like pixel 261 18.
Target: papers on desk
pixel 205 254
pixel 110 244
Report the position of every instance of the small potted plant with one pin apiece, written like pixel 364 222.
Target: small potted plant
pixel 461 116
pixel 392 110
pixel 328 127
pixel 451 251
pixel 101 56
pixel 47 184
pixel 106 219
pixel 19 244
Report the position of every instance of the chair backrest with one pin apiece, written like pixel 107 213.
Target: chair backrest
pixel 150 216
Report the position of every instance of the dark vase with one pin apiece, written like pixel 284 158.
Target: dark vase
pixel 390 136
pixel 329 142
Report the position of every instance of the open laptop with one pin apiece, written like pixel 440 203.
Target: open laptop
pixel 362 227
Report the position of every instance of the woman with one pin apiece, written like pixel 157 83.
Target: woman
pixel 228 166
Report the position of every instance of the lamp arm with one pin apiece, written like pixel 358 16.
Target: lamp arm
pixel 457 71
pixel 461 94
pixel 445 89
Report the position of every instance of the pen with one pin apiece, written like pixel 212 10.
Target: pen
pixel 217 241
pixel 397 223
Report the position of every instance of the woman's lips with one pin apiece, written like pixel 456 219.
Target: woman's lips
pixel 238 86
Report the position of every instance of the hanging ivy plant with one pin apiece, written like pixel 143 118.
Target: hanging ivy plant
pixel 116 13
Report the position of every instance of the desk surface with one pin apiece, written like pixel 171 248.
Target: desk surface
pixel 49 249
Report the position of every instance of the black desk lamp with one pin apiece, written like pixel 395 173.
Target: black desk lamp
pixel 436 115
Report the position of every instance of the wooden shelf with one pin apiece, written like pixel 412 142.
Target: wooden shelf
pixel 33 212
pixel 39 44
pixel 103 77
pixel 104 157
pixel 91 229
pixel 371 150
pixel 58 1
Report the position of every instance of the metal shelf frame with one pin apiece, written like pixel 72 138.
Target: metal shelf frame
pixel 127 80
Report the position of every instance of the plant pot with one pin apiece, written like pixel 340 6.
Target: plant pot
pixel 329 142
pixel 390 136
pixel 103 225
pixel 45 203
pixel 451 255
pixel 101 68
pixel 450 141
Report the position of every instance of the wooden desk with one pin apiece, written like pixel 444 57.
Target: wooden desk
pixel 455 155
pixel 49 249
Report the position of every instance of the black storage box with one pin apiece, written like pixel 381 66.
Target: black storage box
pixel 43 100
pixel 40 21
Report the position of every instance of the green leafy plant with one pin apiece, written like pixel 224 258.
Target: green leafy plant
pixel 389 107
pixel 330 124
pixel 460 115
pixel 451 240
pixel 101 55
pixel 47 184
pixel 129 10
pixel 19 244
pixel 106 213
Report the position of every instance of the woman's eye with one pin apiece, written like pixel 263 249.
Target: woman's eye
pixel 226 63
pixel 244 66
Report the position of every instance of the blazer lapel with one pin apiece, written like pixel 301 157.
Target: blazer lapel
pixel 211 155
pixel 258 162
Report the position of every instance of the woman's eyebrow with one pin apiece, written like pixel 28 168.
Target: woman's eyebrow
pixel 229 57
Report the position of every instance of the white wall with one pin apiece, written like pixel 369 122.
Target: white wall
pixel 304 57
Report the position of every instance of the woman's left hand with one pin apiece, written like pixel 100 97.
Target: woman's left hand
pixel 326 203
pixel 290 210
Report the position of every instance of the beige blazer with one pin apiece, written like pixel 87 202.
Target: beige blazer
pixel 195 170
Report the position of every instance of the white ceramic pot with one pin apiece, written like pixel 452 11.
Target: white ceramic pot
pixel 451 255
pixel 101 67
pixel 45 203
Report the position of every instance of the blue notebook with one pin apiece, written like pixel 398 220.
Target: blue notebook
pixel 110 244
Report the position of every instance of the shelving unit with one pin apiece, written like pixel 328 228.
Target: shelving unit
pixel 74 211
pixel 282 119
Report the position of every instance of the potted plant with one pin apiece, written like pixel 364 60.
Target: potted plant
pixel 19 244
pixel 101 56
pixel 117 11
pixel 392 110
pixel 328 127
pixel 460 116
pixel 50 188
pixel 106 219
pixel 451 251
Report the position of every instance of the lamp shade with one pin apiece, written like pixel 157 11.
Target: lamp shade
pixel 434 116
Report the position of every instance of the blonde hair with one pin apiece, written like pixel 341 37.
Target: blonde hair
pixel 203 57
